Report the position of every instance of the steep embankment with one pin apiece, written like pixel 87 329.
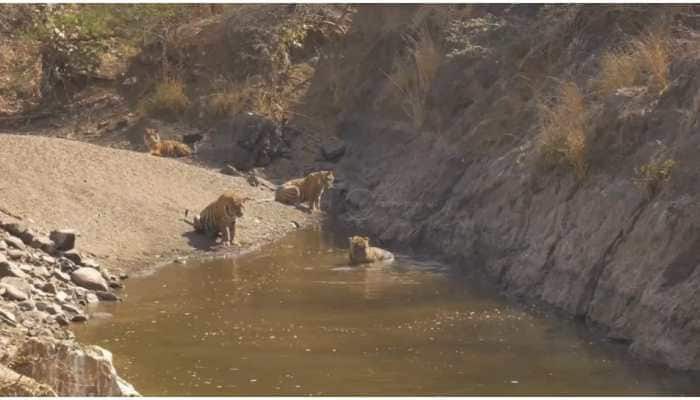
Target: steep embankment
pixel 127 206
pixel 468 182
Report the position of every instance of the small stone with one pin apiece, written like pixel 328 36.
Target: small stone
pixel 123 276
pixel 3 245
pixel 61 296
pixel 116 285
pixel 43 243
pixel 20 231
pixel 28 323
pixel 74 256
pixel 61 275
pixel 333 151
pixel 71 308
pixel 9 269
pixel 79 318
pixel 48 259
pixel 64 239
pixel 16 254
pixel 106 296
pixel 62 320
pixel 49 308
pixel 89 278
pixel 15 242
pixel 89 262
pixel 49 287
pixel 67 265
pixel 26 305
pixel 13 293
pixel 231 170
pixel 8 317
pixel 79 292
pixel 92 298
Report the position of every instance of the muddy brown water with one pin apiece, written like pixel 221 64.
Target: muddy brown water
pixel 294 319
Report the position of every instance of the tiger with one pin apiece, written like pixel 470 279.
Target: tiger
pixel 361 252
pixel 308 189
pixel 165 148
pixel 219 217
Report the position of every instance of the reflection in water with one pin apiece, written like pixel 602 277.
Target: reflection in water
pixel 295 319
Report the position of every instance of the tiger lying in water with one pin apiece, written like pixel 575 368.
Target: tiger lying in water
pixel 308 189
pixel 165 148
pixel 220 217
pixel 361 253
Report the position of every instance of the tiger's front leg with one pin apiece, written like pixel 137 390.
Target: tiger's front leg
pixel 227 237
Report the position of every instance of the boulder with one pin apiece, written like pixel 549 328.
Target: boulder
pixel 9 269
pixel 106 296
pixel 74 256
pixel 21 231
pixel 15 288
pixel 92 298
pixel 64 239
pixel 72 369
pixel 43 243
pixel 15 242
pixel 89 278
pixel 333 151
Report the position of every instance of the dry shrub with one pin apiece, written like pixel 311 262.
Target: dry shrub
pixel 169 100
pixel 230 100
pixel 645 61
pixel 655 173
pixel 563 126
pixel 413 76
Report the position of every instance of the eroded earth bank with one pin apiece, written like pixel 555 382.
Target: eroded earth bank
pixel 552 147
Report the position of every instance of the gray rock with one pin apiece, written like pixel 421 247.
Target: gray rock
pixel 8 317
pixel 40 272
pixel 71 308
pixel 43 243
pixel 123 276
pixel 3 245
pixel 15 242
pixel 64 239
pixel 79 292
pixel 19 230
pixel 13 293
pixel 67 265
pixel 116 285
pixel 9 269
pixel 333 151
pixel 49 308
pixel 16 254
pixel 49 287
pixel 79 318
pixel 89 262
pixel 26 305
pixel 106 296
pixel 48 259
pixel 62 320
pixel 92 298
pixel 60 275
pixel 74 256
pixel 61 296
pixel 89 278
pixel 231 170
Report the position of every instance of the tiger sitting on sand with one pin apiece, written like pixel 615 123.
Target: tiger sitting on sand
pixel 219 217
pixel 362 253
pixel 165 148
pixel 308 189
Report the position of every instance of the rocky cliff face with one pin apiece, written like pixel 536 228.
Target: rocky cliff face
pixel 467 183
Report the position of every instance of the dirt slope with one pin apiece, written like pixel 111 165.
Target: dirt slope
pixel 127 206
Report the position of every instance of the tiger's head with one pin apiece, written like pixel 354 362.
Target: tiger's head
pixel 327 179
pixel 151 137
pixel 233 204
pixel 358 247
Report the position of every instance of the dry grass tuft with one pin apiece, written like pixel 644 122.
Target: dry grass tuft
pixel 413 76
pixel 563 124
pixel 645 61
pixel 169 100
pixel 655 173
